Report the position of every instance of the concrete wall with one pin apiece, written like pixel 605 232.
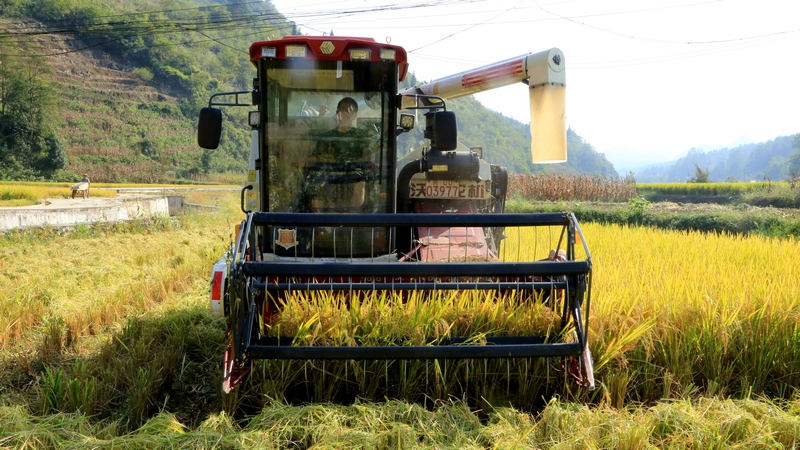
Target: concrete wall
pixel 84 211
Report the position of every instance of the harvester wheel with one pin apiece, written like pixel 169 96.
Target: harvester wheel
pixel 232 373
pixel 234 365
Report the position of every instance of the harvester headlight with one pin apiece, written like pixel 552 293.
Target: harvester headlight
pixel 254 118
pixel 407 121
pixel 388 53
pixel 360 54
pixel 269 52
pixel 295 51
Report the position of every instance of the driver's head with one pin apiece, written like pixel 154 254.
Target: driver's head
pixel 347 106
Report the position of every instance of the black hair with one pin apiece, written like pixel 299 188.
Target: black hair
pixel 347 104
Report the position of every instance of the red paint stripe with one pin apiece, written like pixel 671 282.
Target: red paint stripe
pixel 492 73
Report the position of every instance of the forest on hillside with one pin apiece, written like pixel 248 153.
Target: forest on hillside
pixel 114 89
pixel 136 72
pixel 776 160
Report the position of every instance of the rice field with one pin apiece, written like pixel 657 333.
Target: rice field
pixel 109 343
pixel 16 194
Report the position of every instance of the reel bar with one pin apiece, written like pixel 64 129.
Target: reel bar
pixel 455 340
pixel 411 219
pixel 415 351
pixel 384 269
pixel 411 286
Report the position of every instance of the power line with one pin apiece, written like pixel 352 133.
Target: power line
pixel 158 11
pixel 109 32
pixel 127 25
pixel 465 29
pixel 667 41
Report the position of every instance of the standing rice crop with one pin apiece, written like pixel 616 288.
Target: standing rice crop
pixel 721 313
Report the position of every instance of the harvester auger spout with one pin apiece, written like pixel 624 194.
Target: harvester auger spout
pixel 351 251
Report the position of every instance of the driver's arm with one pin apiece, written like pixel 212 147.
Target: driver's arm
pixel 360 188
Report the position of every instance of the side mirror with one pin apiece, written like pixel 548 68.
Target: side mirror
pixel 441 128
pixel 209 127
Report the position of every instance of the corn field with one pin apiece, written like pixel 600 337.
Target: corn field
pixel 559 187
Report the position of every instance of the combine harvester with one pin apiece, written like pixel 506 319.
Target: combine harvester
pixel 332 208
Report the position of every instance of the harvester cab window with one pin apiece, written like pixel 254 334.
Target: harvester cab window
pixel 328 154
pixel 342 172
pixel 330 150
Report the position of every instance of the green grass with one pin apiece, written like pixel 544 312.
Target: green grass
pixel 706 189
pixel 735 219
pixel 775 194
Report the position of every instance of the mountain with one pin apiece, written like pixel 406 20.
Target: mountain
pixel 126 87
pixel 628 160
pixel 747 162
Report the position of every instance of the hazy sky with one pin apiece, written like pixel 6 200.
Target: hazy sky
pixel 646 79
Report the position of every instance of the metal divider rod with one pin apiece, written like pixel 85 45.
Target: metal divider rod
pixel 273 240
pixel 389 254
pixel 487 244
pixel 411 235
pixel 313 242
pixel 466 242
pixel 449 243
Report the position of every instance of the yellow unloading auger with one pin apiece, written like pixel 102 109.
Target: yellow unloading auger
pixel 544 75
pixel 331 208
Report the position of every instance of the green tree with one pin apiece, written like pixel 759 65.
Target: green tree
pixel 794 160
pixel 30 148
pixel 700 175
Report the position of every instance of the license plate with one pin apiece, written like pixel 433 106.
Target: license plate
pixel 463 189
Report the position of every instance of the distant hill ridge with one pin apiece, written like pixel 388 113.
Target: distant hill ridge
pixel 748 162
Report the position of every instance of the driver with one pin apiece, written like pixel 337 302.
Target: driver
pixel 343 144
